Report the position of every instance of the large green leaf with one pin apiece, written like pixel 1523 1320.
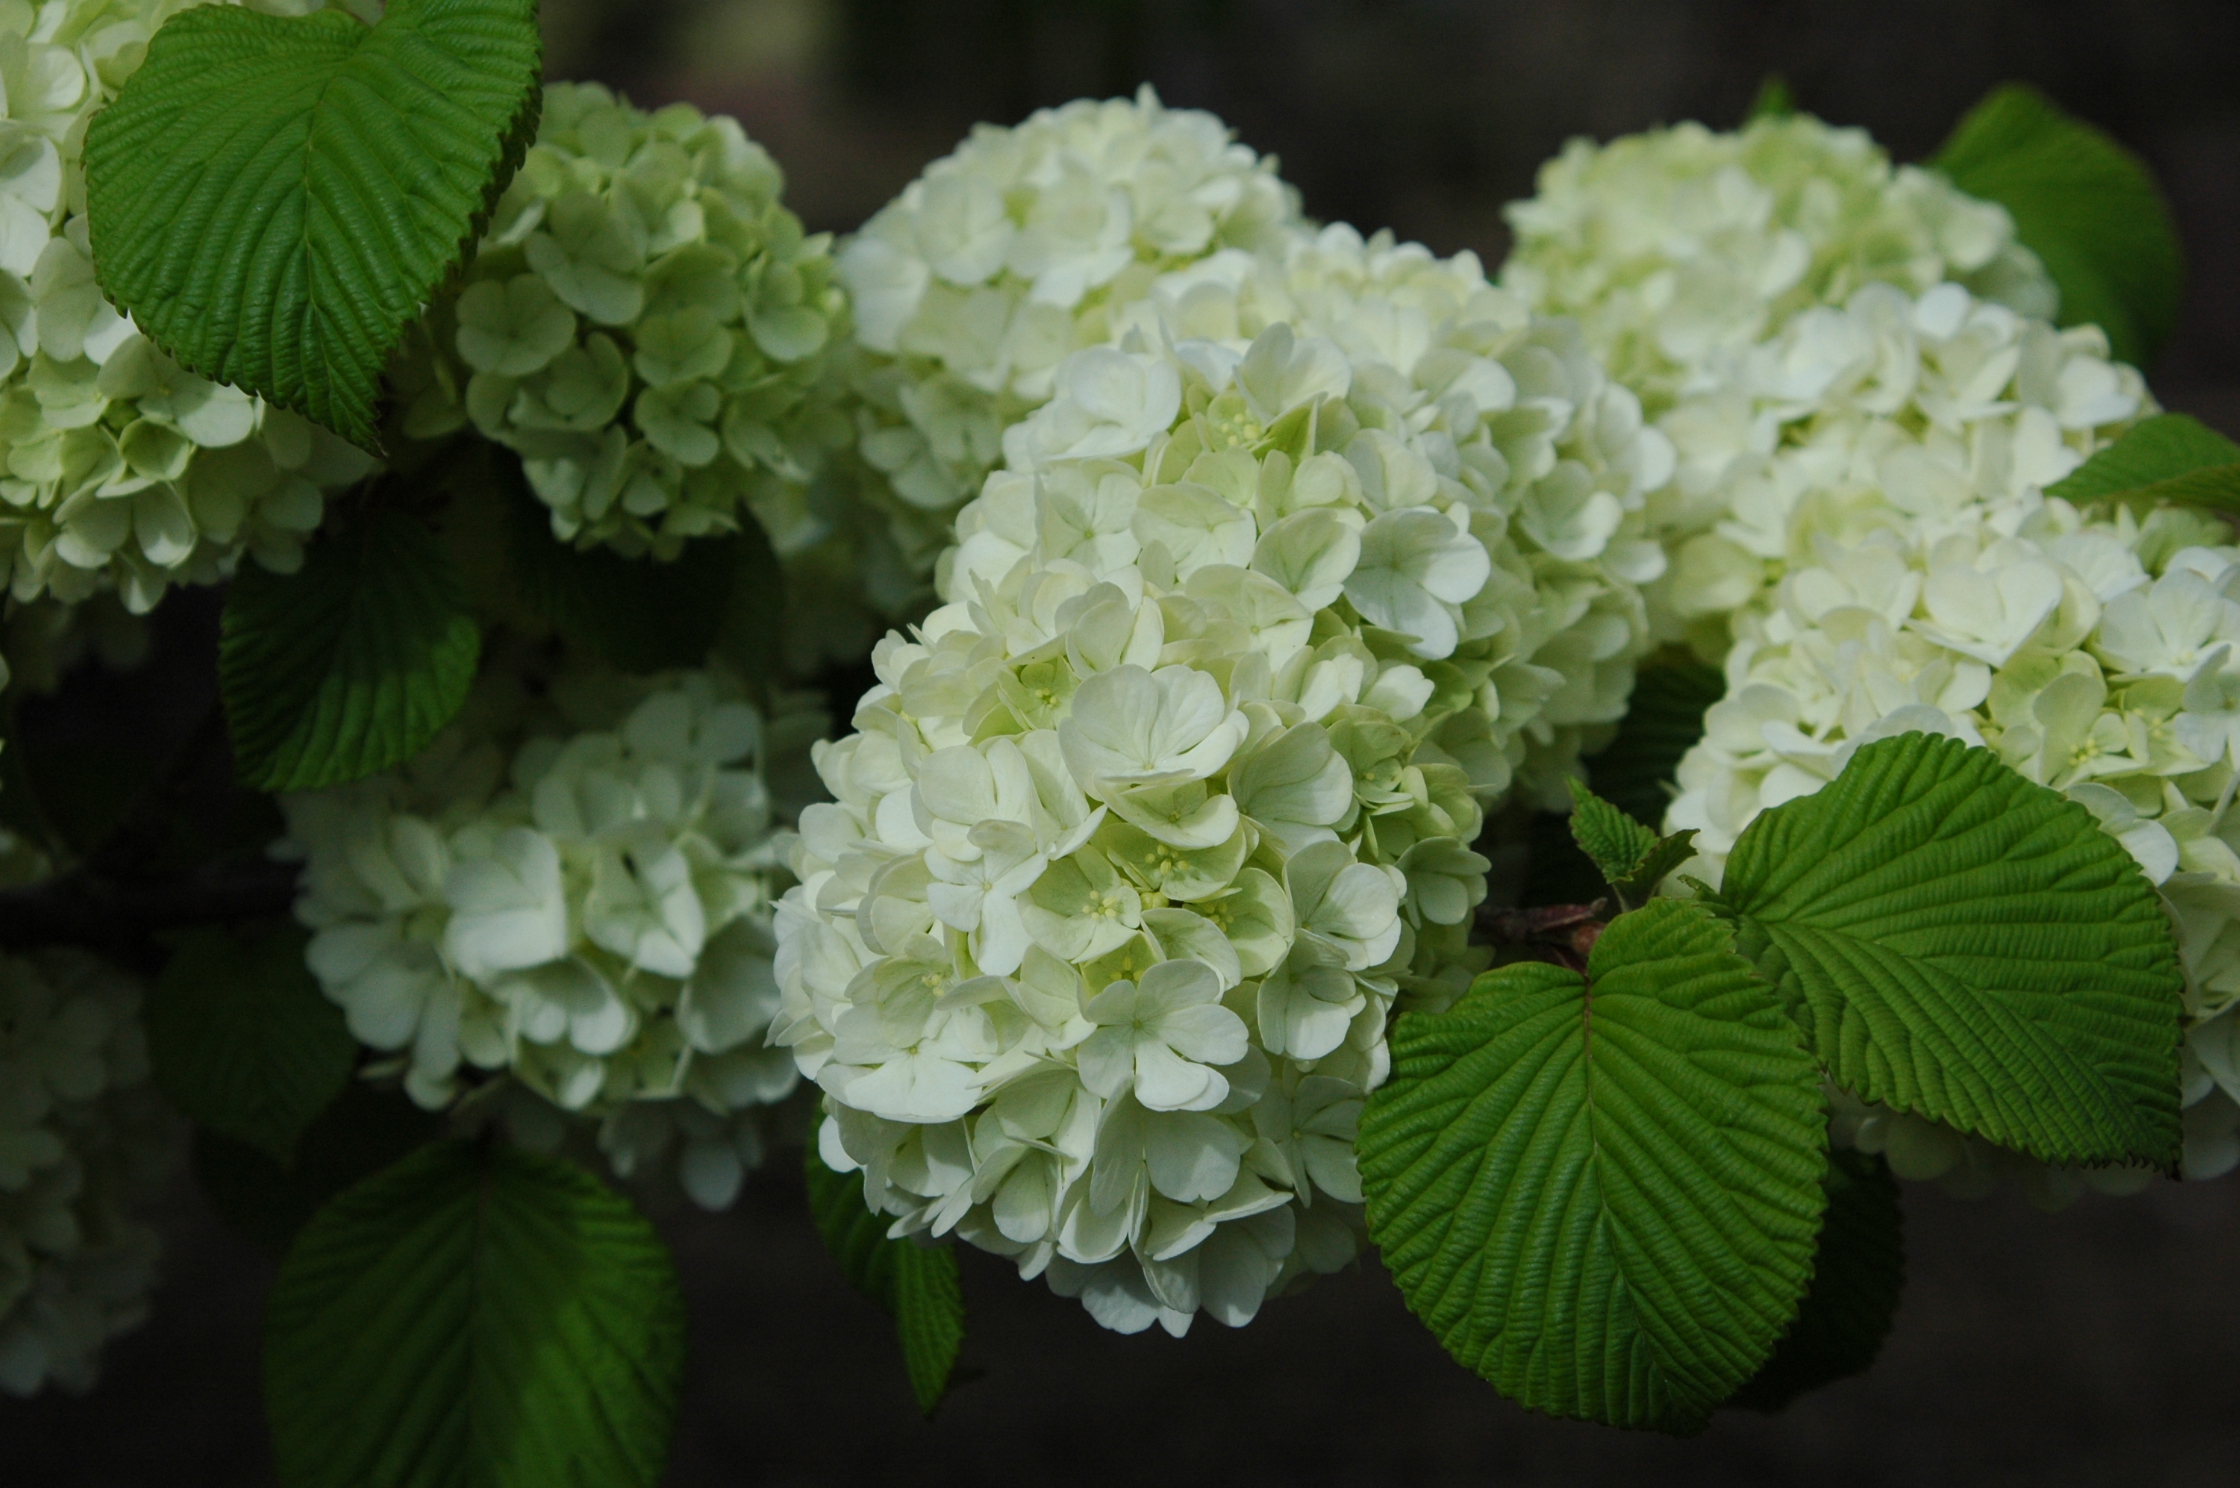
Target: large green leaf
pixel 2085 205
pixel 916 1284
pixel 1962 943
pixel 2167 459
pixel 1602 1193
pixel 1663 721
pixel 243 1042
pixel 349 665
pixel 475 1315
pixel 1857 1274
pixel 275 199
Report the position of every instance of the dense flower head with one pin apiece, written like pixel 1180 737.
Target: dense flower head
pixel 1009 254
pixel 1888 411
pixel 1519 421
pixel 2094 654
pixel 1143 834
pixel 82 1140
pixel 118 469
pixel 1671 245
pixel 577 891
pixel 646 324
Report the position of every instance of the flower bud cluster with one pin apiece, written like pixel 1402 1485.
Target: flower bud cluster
pixel 82 1140
pixel 578 892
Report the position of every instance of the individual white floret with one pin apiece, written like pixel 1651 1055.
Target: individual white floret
pixel 82 1140
pixel 1674 245
pixel 2095 656
pixel 646 324
pixel 581 898
pixel 1143 834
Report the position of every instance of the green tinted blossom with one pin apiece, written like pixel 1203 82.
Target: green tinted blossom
pixel 82 1141
pixel 577 893
pixel 647 326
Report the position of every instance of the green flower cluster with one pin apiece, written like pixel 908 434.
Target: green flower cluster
pixel 646 325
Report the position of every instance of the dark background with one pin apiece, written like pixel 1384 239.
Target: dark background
pixel 2096 1346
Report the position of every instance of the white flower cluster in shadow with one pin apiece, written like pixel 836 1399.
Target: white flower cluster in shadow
pixel 83 1139
pixel 577 891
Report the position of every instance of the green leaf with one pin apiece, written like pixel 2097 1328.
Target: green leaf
pixel 266 1202
pixel 1964 944
pixel 1663 721
pixel 1602 1193
pixel 474 1315
pixel 1614 840
pixel 274 199
pixel 1630 857
pixel 1773 100
pixel 916 1284
pixel 242 1040
pixel 2164 460
pixel 349 665
pixel 2085 205
pixel 1857 1274
pixel 640 614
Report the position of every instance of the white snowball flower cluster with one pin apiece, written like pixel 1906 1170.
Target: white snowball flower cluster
pixel 1008 255
pixel 581 899
pixel 82 1139
pixel 1884 411
pixel 1144 833
pixel 2097 656
pixel 646 324
pixel 1672 245
pixel 1553 454
pixel 117 469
